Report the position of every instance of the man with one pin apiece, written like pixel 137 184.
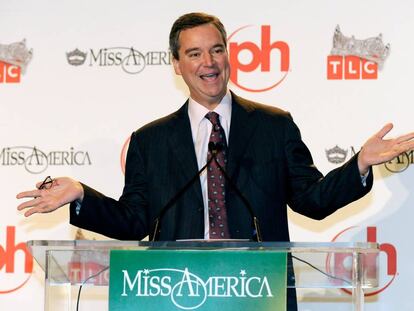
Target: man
pixel 259 146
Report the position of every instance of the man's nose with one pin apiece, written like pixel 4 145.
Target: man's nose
pixel 208 59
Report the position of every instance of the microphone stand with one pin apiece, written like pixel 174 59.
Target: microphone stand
pixel 214 148
pixel 174 199
pixel 217 147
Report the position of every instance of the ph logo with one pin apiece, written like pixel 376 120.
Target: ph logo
pixel 124 152
pixel 9 73
pixel 350 68
pixel 340 265
pixel 16 263
pixel 257 67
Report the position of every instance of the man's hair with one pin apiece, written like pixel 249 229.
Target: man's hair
pixel 192 20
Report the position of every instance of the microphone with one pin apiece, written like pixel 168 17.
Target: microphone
pixel 214 148
pixel 174 199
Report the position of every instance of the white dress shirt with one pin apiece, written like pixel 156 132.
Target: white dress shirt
pixel 201 130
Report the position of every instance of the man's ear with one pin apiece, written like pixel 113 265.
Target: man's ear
pixel 176 64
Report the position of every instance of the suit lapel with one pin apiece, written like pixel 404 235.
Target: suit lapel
pixel 182 145
pixel 241 130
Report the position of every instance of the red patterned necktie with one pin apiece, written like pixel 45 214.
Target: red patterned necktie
pixel 216 184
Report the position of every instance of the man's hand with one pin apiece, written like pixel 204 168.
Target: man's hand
pixel 63 191
pixel 377 150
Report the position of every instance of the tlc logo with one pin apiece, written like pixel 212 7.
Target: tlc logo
pixel 11 277
pixel 351 68
pixel 247 57
pixel 342 262
pixel 9 73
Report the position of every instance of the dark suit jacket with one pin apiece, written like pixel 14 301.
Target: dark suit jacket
pixel 267 160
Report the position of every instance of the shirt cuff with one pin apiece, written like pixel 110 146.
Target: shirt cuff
pixel 78 205
pixel 364 179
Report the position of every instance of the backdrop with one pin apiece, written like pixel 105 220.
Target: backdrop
pixel 98 70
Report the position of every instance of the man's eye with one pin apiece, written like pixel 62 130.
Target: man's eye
pixel 218 50
pixel 194 55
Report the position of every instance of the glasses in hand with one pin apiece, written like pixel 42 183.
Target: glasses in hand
pixel 47 183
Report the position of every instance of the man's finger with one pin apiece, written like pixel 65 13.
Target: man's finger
pixel 406 137
pixel 385 130
pixel 27 204
pixel 406 146
pixel 32 211
pixel 41 207
pixel 29 194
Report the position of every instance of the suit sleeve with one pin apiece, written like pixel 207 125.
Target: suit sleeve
pixel 125 218
pixel 312 194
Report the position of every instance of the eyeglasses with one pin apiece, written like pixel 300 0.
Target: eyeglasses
pixel 47 183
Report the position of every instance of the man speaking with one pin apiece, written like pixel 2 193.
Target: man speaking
pixel 255 156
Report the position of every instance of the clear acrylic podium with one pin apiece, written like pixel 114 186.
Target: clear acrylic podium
pixel 327 275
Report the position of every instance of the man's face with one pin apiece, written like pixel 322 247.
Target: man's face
pixel 203 64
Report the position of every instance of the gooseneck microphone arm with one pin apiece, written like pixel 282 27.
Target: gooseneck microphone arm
pixel 214 149
pixel 173 200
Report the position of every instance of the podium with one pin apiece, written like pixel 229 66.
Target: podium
pixel 326 275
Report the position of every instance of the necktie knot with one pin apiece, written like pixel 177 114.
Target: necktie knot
pixel 214 118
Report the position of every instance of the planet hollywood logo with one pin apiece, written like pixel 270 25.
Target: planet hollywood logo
pixel 340 264
pixel 187 291
pixel 15 269
pixel 36 161
pixel 124 152
pixel 258 64
pixel 131 60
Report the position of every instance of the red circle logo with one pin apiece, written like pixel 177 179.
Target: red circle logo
pixel 259 63
pixel 124 152
pixel 340 265
pixel 15 269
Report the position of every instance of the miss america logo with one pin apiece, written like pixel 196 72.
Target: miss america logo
pixel 187 291
pixel 36 161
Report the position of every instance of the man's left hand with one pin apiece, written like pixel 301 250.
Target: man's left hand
pixel 377 150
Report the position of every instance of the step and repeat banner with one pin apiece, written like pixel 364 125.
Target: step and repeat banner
pixel 78 77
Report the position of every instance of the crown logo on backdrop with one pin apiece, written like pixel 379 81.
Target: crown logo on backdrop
pixel 336 155
pixel 76 57
pixel 16 54
pixel 372 49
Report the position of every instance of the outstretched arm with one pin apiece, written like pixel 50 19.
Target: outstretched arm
pixel 62 191
pixel 377 150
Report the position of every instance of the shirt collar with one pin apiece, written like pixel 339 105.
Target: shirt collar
pixel 197 112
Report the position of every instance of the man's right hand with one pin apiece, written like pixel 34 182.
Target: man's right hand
pixel 63 191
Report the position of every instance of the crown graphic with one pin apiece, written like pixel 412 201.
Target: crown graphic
pixel 372 49
pixel 76 57
pixel 336 155
pixel 16 54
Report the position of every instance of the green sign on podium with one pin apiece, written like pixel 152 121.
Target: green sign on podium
pixel 197 280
